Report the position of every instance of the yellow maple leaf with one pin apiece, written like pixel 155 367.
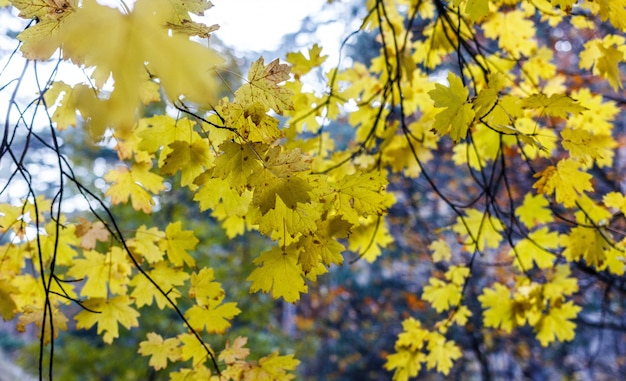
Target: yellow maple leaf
pixel 58 243
pixel 608 65
pixel 557 323
pixel 534 210
pixel 8 307
pixel 251 121
pixel 360 195
pixel 234 352
pixel 498 307
pixel 124 55
pixel 599 116
pixel 458 114
pixel 237 162
pixel 90 234
pixel 477 9
pixel 226 203
pixel 136 183
pixel 109 313
pixel 278 271
pixel 513 31
pixel 177 242
pixel 441 295
pixel 34 314
pixel 320 246
pixel 481 229
pixel 159 131
pixel 263 87
pixel 291 190
pixel 615 200
pixel 405 364
pixel 192 348
pixel 585 146
pixel 486 99
pixel 534 250
pixel 273 367
pixel 558 105
pixel 204 287
pixel 590 244
pixel 159 350
pixel 144 292
pixel 286 224
pixel 105 273
pixel 65 100
pixel 190 158
pixel 457 275
pixel 213 316
pixel 300 65
pixel 199 372
pixel 369 237
pixel 565 180
pixel 559 283
pixel 13 217
pixel 43 38
pixel 441 353
pixel 146 243
pixel 441 250
pixel 461 315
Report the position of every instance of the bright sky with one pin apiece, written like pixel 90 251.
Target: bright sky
pixel 256 25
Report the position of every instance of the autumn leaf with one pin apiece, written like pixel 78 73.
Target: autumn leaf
pixel 90 233
pixel 192 348
pixel 204 287
pixel 66 100
pixel 441 353
pixel 7 305
pixel 136 183
pixel 43 38
pixel 557 324
pixel 278 271
pixel 237 162
pixel 481 229
pixel 442 295
pixel 189 158
pixel 109 313
pixel 477 9
pixel 498 307
pixel 369 238
pixel 159 350
pixel 534 211
pixel 167 277
pixel 615 200
pixel 555 105
pixel 565 180
pixel 35 315
pixel 263 87
pixel 535 250
pixel 146 243
pixel 105 273
pixel 300 65
pixel 441 250
pixel 585 146
pixel 272 367
pixel 235 351
pixel 360 196
pixel 176 244
pixel 458 114
pixel 124 54
pixel 213 316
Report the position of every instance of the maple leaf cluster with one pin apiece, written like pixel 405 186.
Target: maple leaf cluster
pixel 523 140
